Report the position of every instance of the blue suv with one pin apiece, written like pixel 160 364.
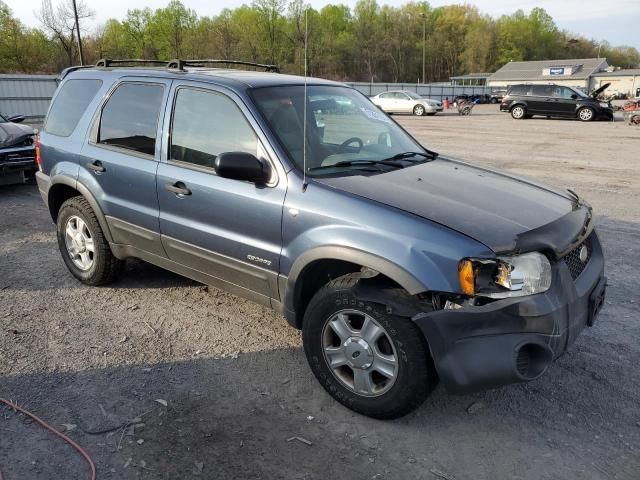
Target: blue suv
pixel 402 267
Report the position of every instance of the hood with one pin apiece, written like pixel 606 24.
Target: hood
pixel 14 134
pixel 430 100
pixel 598 91
pixel 499 210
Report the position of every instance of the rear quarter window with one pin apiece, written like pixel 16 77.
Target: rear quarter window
pixel 70 103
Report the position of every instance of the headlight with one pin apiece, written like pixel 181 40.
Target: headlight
pixel 604 104
pixel 505 277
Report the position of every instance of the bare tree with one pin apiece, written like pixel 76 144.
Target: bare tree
pixel 59 22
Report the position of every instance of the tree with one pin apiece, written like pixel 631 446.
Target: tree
pixel 59 22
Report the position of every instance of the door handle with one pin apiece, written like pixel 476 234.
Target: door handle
pixel 178 188
pixel 96 166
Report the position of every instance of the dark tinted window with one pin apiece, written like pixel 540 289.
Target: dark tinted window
pixel 519 90
pixel 542 90
pixel 70 103
pixel 206 124
pixel 130 117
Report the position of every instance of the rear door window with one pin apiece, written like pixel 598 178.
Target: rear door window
pixel 542 90
pixel 130 117
pixel 70 103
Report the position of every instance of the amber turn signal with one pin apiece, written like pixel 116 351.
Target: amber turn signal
pixel 467 278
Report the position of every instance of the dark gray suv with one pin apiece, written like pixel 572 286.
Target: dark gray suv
pixel 402 267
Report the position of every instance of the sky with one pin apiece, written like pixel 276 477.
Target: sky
pixel 617 21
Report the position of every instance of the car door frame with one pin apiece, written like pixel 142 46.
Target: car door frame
pixel 240 271
pixel 127 233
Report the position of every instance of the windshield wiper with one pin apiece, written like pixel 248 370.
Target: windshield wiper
pixel 358 163
pixel 407 155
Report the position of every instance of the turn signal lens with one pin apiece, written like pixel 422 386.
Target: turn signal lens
pixel 466 276
pixel 38 158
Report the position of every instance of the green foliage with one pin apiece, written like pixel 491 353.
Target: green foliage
pixel 371 42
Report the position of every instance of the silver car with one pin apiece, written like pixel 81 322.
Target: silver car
pixel 403 101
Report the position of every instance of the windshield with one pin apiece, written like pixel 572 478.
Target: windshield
pixel 343 126
pixel 415 96
pixel 3 119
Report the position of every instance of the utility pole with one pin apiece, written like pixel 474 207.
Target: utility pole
pixel 75 13
pixel 424 44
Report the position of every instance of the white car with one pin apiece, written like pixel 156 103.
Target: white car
pixel 403 101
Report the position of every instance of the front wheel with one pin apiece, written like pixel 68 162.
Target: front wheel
pixel 518 112
pixel 82 244
pixel 371 361
pixel 418 110
pixel 586 114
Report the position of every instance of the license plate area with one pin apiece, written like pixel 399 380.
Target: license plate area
pixel 596 301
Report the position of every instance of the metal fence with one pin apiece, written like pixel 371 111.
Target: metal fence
pixel 27 95
pixel 437 91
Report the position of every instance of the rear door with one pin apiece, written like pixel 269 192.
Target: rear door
pixel 386 101
pixel 227 229
pixel 121 159
pixel 542 100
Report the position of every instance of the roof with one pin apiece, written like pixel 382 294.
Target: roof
pixel 533 70
pixel 470 76
pixel 231 78
pixel 619 73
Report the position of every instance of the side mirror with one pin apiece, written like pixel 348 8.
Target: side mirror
pixel 574 96
pixel 242 166
pixel 16 119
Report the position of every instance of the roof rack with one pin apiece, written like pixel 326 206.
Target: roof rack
pixel 180 64
pixel 108 62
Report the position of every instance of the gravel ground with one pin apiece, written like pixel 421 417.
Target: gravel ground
pixel 235 380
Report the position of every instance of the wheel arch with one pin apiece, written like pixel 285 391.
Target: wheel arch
pixel 64 188
pixel 317 267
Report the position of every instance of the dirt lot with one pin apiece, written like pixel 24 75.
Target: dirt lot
pixel 235 379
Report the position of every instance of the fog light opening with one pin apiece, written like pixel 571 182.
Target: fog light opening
pixel 532 360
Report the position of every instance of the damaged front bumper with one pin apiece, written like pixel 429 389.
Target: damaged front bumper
pixel 514 340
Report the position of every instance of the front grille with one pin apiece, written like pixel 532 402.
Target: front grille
pixel 572 259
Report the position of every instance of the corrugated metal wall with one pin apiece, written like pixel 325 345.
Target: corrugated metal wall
pixel 435 91
pixel 27 95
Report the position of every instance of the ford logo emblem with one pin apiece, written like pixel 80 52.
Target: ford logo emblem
pixel 583 254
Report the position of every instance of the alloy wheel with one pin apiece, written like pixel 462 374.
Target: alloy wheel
pixel 79 243
pixel 359 353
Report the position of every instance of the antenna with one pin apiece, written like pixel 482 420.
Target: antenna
pixel 304 110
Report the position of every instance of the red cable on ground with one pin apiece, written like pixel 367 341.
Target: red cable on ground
pixel 56 432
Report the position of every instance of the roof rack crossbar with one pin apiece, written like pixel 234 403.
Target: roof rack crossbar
pixel 108 62
pixel 180 64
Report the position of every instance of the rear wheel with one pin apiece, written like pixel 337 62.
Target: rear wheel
pixel 586 114
pixel 418 110
pixel 371 361
pixel 518 112
pixel 82 244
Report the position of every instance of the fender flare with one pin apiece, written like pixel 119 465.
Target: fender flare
pixel 86 193
pixel 396 273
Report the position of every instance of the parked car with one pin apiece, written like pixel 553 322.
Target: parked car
pixel 401 266
pixel 497 96
pixel 17 152
pixel 525 101
pixel 403 101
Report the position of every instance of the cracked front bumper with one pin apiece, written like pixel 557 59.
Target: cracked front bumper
pixel 514 340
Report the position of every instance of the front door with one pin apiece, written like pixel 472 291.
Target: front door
pixel 227 229
pixel 121 158
pixel 566 100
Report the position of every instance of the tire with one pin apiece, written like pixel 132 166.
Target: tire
pixel 418 110
pixel 494 101
pixel 586 114
pixel 414 375
pixel 518 112
pixel 101 266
